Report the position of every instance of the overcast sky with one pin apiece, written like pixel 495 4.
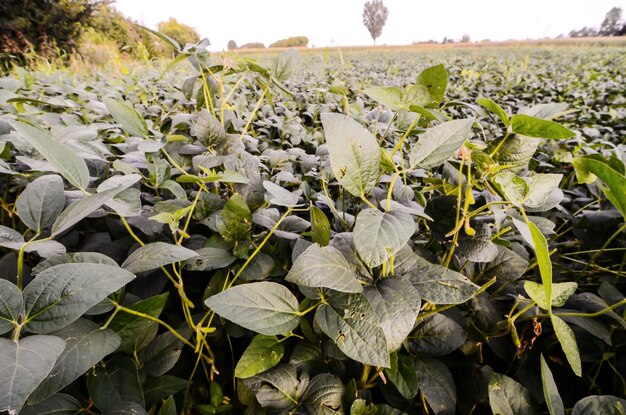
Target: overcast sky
pixel 339 22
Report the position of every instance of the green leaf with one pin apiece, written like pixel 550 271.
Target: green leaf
pixel 61 294
pixel 403 374
pixel 507 397
pixel 57 404
pixel 397 305
pixel 515 152
pixel 280 196
pixel 209 258
pixel 135 331
pixel 166 39
pixel 389 96
pixel 11 306
pixel 277 389
pixel 568 342
pixel 378 236
pixel 538 128
pixel 506 266
pixel 435 79
pixel 235 220
pixel 440 285
pixel 320 226
pixel 354 153
pixel 436 335
pixel 156 255
pixel 85 345
pixel 599 405
pixel 323 267
pixel 351 323
pixel 323 395
pixel 588 168
pixel 127 117
pixel 168 407
pixel 541 188
pixel 115 383
pixel 436 384
pixel 24 364
pixel 513 187
pixel 65 160
pixel 162 353
pixel 560 293
pixel 41 202
pixel 550 391
pixel 439 143
pixel 263 353
pixel 495 108
pixel 540 245
pixel 158 388
pixel 264 307
pixel 82 208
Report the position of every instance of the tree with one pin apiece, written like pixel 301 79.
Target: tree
pixel 232 45
pixel 465 38
pixel 180 32
pixel 612 24
pixel 291 42
pixel 374 17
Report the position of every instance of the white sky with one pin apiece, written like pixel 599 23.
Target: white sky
pixel 339 22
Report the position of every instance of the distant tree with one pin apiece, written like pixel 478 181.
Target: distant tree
pixel 291 42
pixel 232 45
pixel 374 17
pixel 612 24
pixel 465 38
pixel 584 32
pixel 180 32
pixel 252 45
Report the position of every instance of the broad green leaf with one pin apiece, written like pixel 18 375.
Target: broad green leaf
pixel 377 235
pixel 82 208
pixel 545 111
pixel 435 79
pixel 599 405
pixel 568 342
pixel 436 384
pixel 155 389
pixel 515 152
pixel 162 353
pixel 361 407
pixel 440 285
pixel 351 323
pixel 541 188
pixel 538 128
pixel 477 250
pixel 495 108
pixel 550 391
pixel 156 255
pixel 115 383
pixel 209 259
pixel 435 335
pixel 323 267
pixel 389 96
pixel 403 374
pixel 588 168
pixel 73 258
pixel 540 245
pixel 24 364
pixel 320 226
pixel 235 220
pixel 66 161
pixel 57 404
pixel 41 202
pixel 135 331
pixel 127 117
pixel 11 306
pixel 506 266
pixel 280 196
pixel 264 307
pixel 85 345
pixel 323 395
pixel 277 389
pixel 507 397
pixel 168 407
pixel 560 293
pixel 397 305
pixel 513 187
pixel 263 353
pixel 416 96
pixel 354 153
pixel 61 294
pixel 439 143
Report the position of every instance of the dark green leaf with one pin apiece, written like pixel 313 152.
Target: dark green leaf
pixel 127 117
pixel 507 397
pixel 11 306
pixel 550 391
pixel 155 255
pixel 536 127
pixel 436 335
pixel 436 384
pixel 41 202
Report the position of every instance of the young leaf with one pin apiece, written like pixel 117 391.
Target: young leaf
pixel 495 108
pixel 439 143
pixel 41 202
pixel 85 345
pixel 568 342
pixel 320 226
pixel 507 397
pixel 155 255
pixel 538 128
pixel 550 391
pixel 378 235
pixel 351 323
pixel 354 153
pixel 264 307
pixel 325 268
pixel 560 293
pixel 437 385
pixel 588 168
pixel 66 161
pixel 61 294
pixel 127 117
pixel 263 353
pixel 24 364
pixel 435 79
pixel 11 306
